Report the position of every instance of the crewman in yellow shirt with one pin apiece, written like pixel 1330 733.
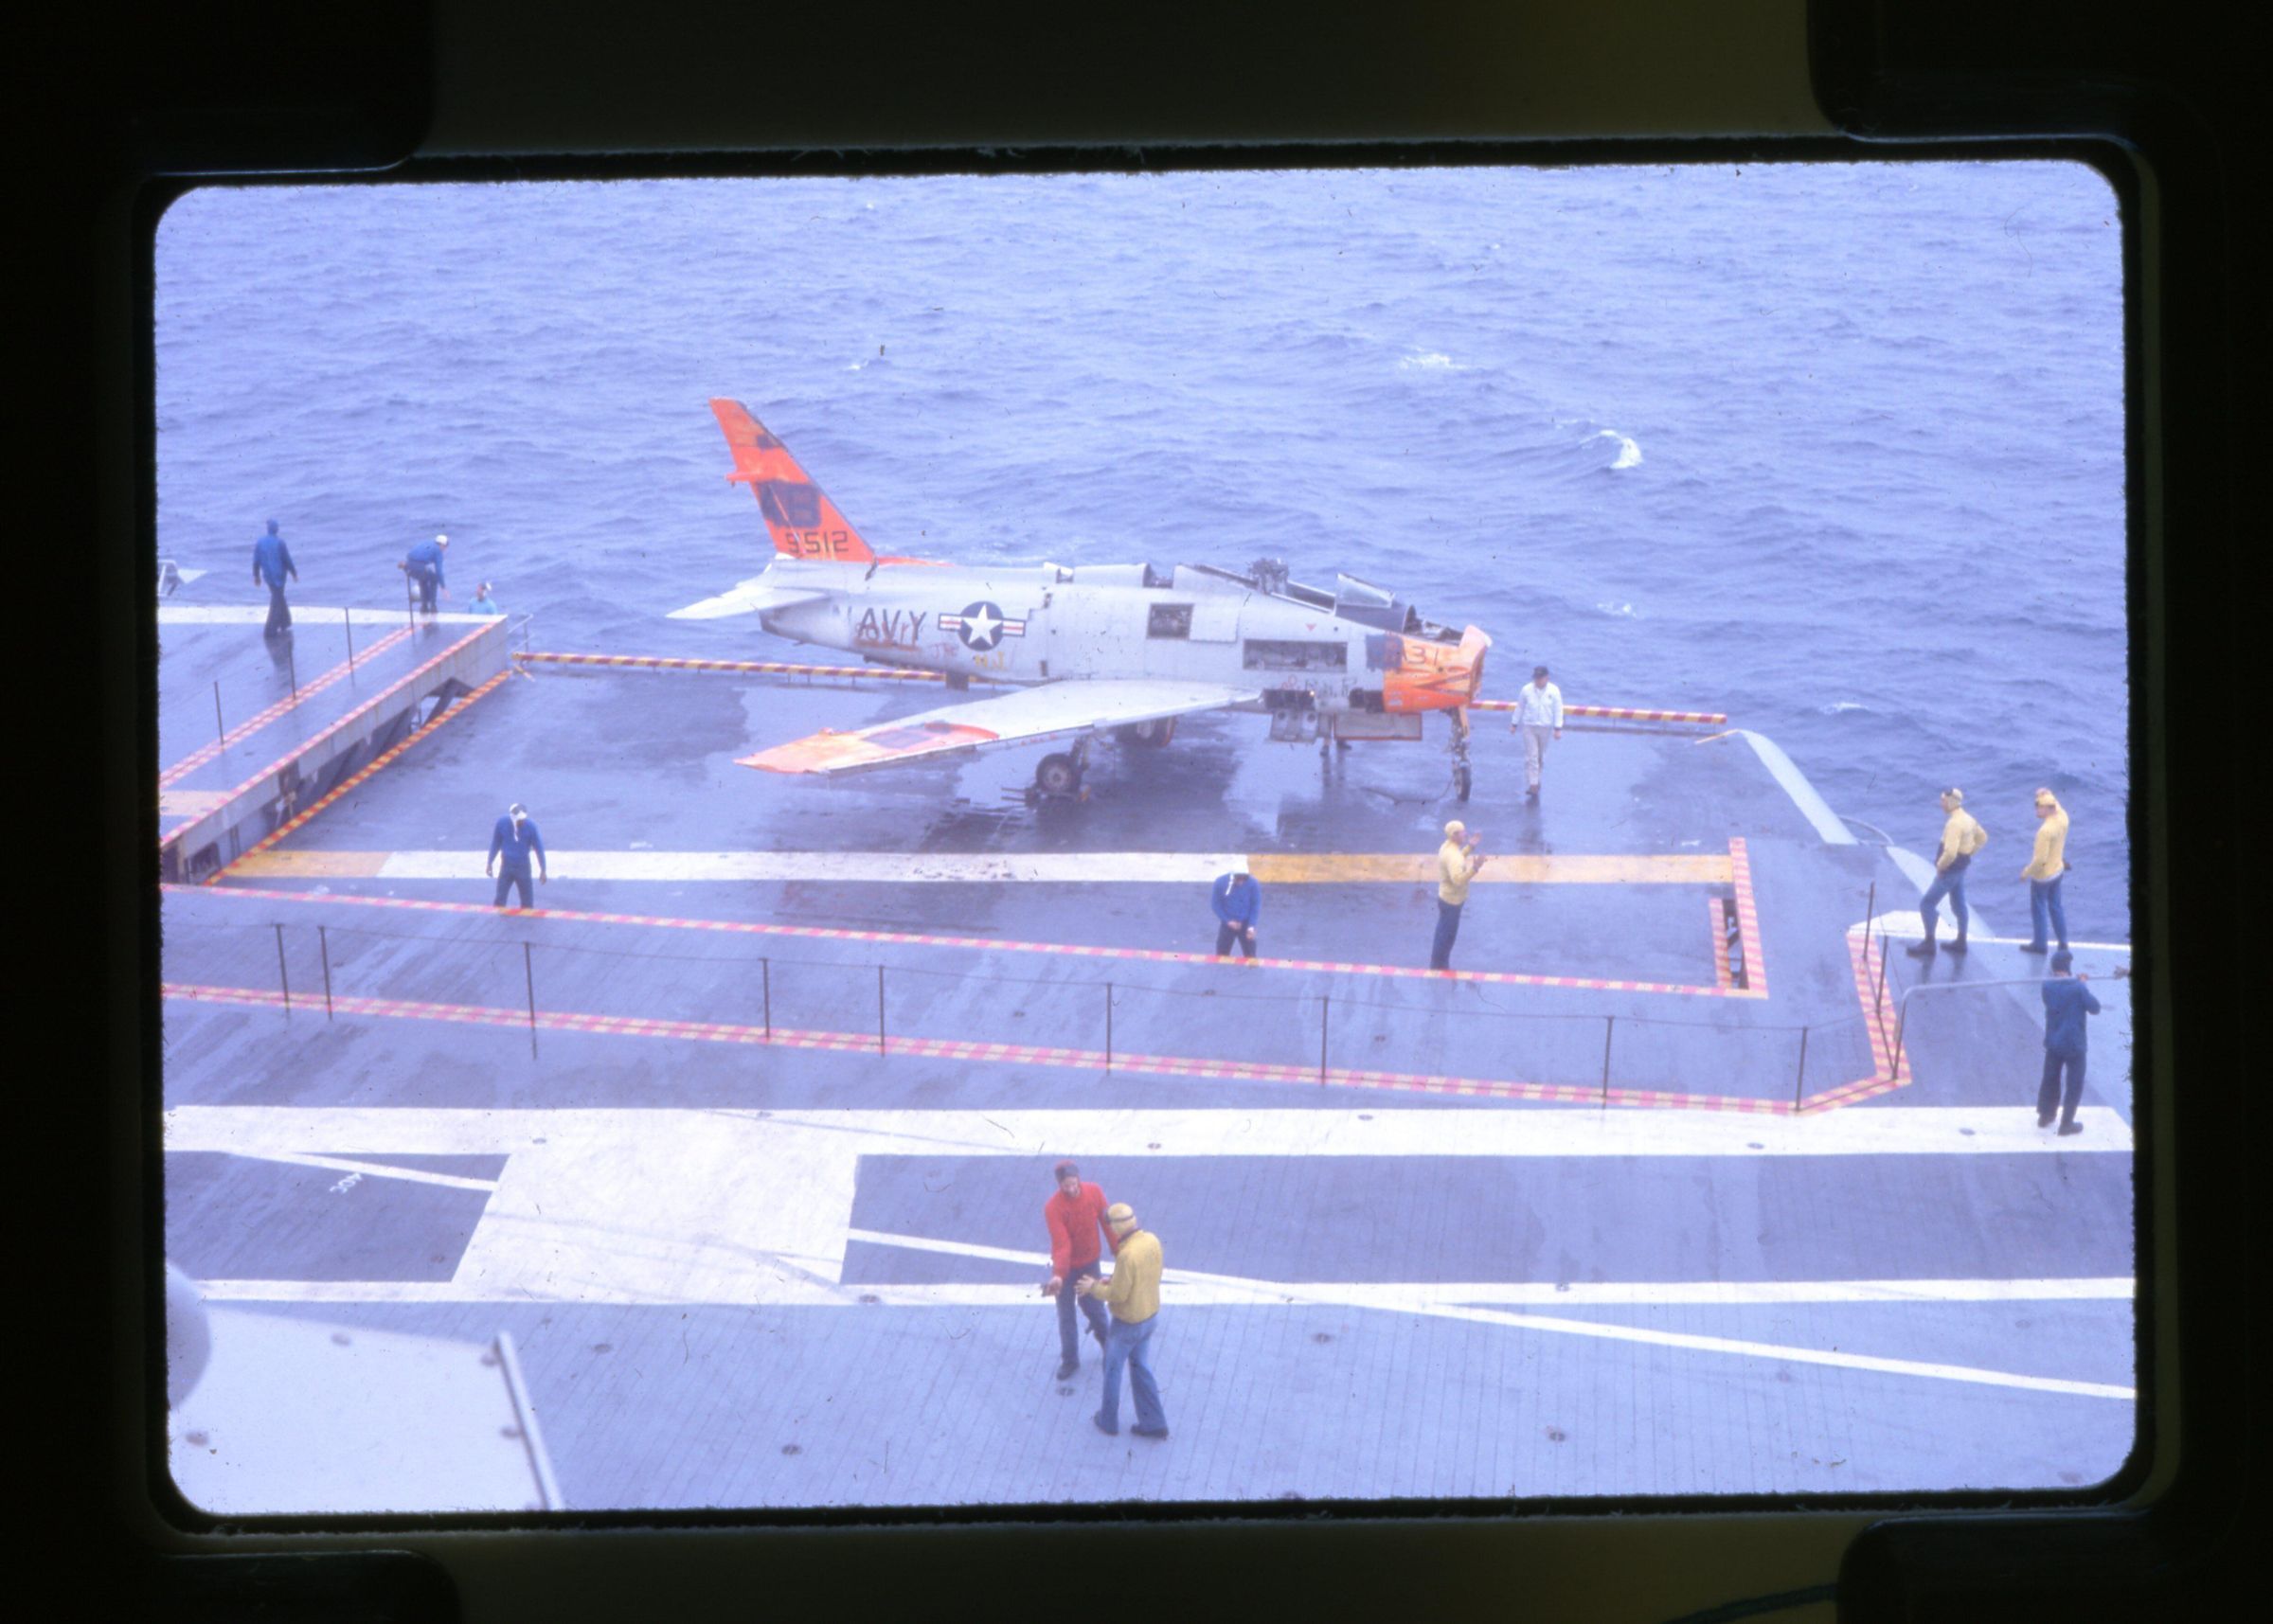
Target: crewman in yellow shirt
pixel 1960 838
pixel 1457 864
pixel 1133 1294
pixel 2045 866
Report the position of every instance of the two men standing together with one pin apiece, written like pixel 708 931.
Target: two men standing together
pixel 1962 837
pixel 1076 1218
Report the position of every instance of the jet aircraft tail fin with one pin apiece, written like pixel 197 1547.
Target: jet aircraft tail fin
pixel 802 521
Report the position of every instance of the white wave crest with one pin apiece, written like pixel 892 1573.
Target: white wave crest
pixel 1629 454
pixel 1839 707
pixel 1429 361
pixel 1624 611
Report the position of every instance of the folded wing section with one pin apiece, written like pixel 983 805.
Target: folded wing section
pixel 753 596
pixel 1024 717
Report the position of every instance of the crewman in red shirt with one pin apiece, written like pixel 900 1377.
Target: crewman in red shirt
pixel 1076 1217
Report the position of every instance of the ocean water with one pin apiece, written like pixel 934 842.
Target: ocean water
pixel 1836 449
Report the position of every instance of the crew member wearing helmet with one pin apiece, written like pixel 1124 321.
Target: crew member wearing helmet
pixel 423 564
pixel 515 839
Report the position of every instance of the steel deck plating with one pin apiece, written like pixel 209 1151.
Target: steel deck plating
pixel 750 1169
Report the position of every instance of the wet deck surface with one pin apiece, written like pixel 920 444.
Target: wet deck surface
pixel 679 1227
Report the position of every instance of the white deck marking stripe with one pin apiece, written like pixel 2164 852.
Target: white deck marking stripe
pixel 371 1169
pixel 1455 1130
pixel 1582 1293
pixel 684 1206
pixel 1905 923
pixel 1233 1291
pixel 1787 1355
pixel 1276 1291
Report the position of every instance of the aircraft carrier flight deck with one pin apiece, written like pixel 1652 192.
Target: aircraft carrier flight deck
pixel 716 1178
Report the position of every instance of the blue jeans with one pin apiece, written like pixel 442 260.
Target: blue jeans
pixel 1950 882
pixel 1069 1341
pixel 2048 1094
pixel 1131 1344
pixel 1448 927
pixel 508 880
pixel 2044 898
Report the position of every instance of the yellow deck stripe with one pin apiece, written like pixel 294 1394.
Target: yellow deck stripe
pixel 1528 868
pixel 1283 868
pixel 309 864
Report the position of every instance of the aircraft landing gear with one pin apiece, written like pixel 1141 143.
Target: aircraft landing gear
pixel 1462 781
pixel 1058 776
pixel 1152 734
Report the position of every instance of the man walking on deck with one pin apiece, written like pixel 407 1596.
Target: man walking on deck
pixel 2067 1002
pixel 2045 866
pixel 272 565
pixel 1960 838
pixel 1133 1296
pixel 1538 716
pixel 423 564
pixel 515 839
pixel 1075 1216
pixel 1457 864
pixel 1237 903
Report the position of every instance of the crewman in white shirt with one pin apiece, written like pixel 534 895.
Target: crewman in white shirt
pixel 1538 707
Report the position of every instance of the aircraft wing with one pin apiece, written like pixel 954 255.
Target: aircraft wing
pixel 752 595
pixel 1023 717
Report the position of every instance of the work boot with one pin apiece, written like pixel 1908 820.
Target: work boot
pixel 1920 949
pixel 2033 947
pixel 1958 946
pixel 2068 1128
pixel 1070 1365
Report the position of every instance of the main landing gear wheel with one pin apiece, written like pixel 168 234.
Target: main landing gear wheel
pixel 1461 782
pixel 1058 775
pixel 1153 733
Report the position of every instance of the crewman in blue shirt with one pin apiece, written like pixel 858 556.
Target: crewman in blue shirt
pixel 515 838
pixel 271 564
pixel 424 566
pixel 1237 900
pixel 2066 1003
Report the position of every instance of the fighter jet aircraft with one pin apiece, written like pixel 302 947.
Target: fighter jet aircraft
pixel 1123 648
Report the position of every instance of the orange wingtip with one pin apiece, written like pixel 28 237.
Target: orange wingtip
pixel 827 752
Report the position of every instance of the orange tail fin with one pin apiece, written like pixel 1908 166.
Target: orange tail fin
pixel 798 514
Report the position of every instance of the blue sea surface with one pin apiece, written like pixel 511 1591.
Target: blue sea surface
pixel 1836 449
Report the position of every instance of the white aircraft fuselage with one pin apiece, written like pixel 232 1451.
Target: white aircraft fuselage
pixel 1043 623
